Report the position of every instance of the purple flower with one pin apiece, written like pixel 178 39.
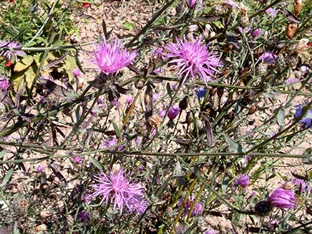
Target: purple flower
pixel 193 57
pixel 77 159
pixel 4 83
pixel 282 198
pixel 40 168
pixel 129 100
pixel 300 184
pixel 76 72
pixel 210 231
pixel 157 51
pixel 242 180
pixel 231 3
pixel 306 121
pixel 291 80
pixel 190 3
pixel 244 30
pixel 10 52
pixel 161 113
pixel 116 189
pixel 272 12
pixel 155 97
pixel 201 93
pixel 304 69
pixel 83 216
pixel 268 57
pixel 110 142
pixel 110 58
pixel 198 208
pixel 173 112
pixel 256 33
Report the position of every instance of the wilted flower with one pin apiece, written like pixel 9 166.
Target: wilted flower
pixel 10 52
pixel 76 72
pixel 306 121
pixel 110 58
pixel 198 208
pixel 116 189
pixel 242 180
pixel 268 57
pixel 161 113
pixel 300 184
pixel 4 83
pixel 173 112
pixel 193 57
pixel 282 198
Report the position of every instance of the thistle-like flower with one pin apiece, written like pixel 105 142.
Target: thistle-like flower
pixel 10 52
pixel 4 83
pixel 282 198
pixel 193 58
pixel 116 189
pixel 110 58
pixel 242 180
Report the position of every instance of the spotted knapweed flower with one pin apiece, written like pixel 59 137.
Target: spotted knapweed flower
pixel 173 112
pixel 4 83
pixel 291 80
pixel 76 72
pixel 9 53
pixel 190 3
pixel 242 180
pixel 110 58
pixel 282 198
pixel 272 12
pixel 83 216
pixel 306 120
pixel 193 58
pixel 116 189
pixel 210 231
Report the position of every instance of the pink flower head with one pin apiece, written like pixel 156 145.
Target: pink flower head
pixel 40 168
pixel 110 142
pixel 242 180
pixel 190 3
pixel 282 198
pixel 173 112
pixel 76 72
pixel 256 33
pixel 110 58
pixel 4 83
pixel 77 159
pixel 116 189
pixel 10 52
pixel 210 231
pixel 193 57
pixel 129 100
pixel 198 208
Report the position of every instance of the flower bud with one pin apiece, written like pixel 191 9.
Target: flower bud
pixel 291 30
pixel 297 6
pixel 173 112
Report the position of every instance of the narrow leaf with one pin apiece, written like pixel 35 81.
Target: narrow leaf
pixel 96 163
pixel 7 177
pixel 117 130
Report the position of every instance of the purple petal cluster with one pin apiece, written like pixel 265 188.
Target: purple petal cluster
pixel 11 52
pixel 198 208
pixel 110 58
pixel 282 198
pixel 4 83
pixel 242 180
pixel 306 121
pixel 193 58
pixel 116 189
pixel 268 57
pixel 173 112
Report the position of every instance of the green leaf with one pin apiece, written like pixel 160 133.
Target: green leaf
pixel 25 63
pixel 70 65
pixel 235 147
pixel 7 177
pixel 129 26
pixel 2 153
pixel 96 163
pixel 280 117
pixel 117 130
